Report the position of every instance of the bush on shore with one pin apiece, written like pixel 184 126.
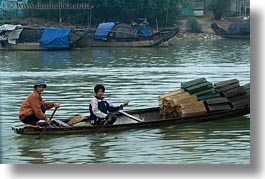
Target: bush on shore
pixel 193 25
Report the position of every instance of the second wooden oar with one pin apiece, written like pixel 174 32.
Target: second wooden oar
pixel 45 128
pixel 130 116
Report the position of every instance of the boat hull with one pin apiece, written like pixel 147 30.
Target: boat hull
pixel 155 40
pixel 75 40
pixel 29 47
pixel 140 43
pixel 151 118
pixel 223 33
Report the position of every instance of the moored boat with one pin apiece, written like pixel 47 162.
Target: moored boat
pixel 17 37
pixel 113 34
pixel 241 32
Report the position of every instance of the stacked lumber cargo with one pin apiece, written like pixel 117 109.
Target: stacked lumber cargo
pixel 198 97
pixel 205 91
pixel 201 88
pixel 238 96
pixel 247 87
pixel 217 104
pixel 192 109
pixel 169 102
pixel 181 103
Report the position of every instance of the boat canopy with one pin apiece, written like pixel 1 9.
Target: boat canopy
pixel 14 35
pixel 103 30
pixel 55 38
pixel 8 27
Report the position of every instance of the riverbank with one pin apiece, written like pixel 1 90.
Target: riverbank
pixel 207 34
pixel 184 34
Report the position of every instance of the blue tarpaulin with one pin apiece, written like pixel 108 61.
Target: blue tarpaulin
pixel 103 30
pixel 144 31
pixel 55 38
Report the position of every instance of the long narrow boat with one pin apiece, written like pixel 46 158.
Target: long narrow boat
pixel 25 38
pixel 111 34
pixel 148 117
pixel 198 100
pixel 226 34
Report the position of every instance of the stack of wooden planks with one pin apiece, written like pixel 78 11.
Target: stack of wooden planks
pixel 238 96
pixel 201 88
pixel 217 104
pixel 198 97
pixel 180 103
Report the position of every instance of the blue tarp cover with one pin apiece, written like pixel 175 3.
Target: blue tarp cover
pixel 103 30
pixel 55 38
pixel 144 31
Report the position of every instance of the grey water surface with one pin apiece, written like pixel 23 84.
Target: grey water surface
pixel 139 75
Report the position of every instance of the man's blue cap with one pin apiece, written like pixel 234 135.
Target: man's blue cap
pixel 40 82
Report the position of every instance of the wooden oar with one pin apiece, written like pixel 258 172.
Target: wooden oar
pixel 45 128
pixel 125 114
pixel 102 126
pixel 130 116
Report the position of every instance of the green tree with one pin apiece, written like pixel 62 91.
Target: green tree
pixel 161 11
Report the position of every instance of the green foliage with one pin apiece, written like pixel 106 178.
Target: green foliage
pixel 219 8
pixel 161 11
pixel 193 25
pixel 186 4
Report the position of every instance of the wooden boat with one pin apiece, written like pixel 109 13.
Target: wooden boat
pixel 227 34
pixel 112 34
pixel 198 100
pixel 150 117
pixel 13 37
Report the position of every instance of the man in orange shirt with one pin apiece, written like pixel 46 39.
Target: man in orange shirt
pixel 33 108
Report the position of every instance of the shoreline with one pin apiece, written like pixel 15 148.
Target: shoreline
pixel 188 36
pixel 208 33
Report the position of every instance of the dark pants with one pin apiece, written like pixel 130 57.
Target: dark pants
pixel 33 119
pixel 113 118
pixel 102 121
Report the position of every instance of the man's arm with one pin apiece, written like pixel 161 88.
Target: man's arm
pixel 117 108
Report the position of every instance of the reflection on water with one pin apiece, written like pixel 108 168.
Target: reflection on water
pixel 137 75
pixel 54 59
pixel 30 151
pixel 211 138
